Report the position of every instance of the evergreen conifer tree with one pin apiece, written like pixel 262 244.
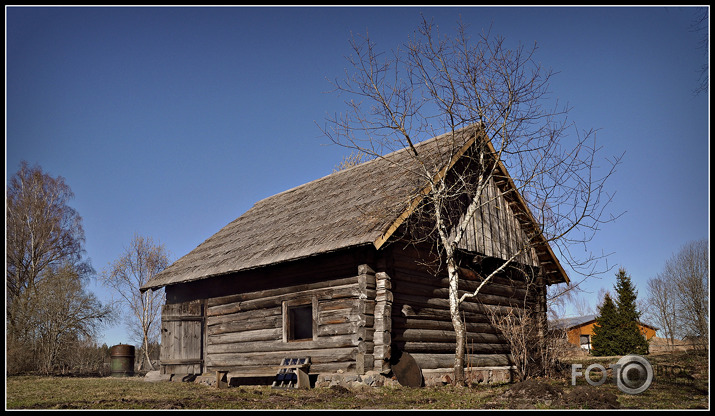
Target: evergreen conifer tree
pixel 606 329
pixel 617 330
pixel 630 339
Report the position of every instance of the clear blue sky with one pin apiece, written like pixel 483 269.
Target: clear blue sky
pixel 172 122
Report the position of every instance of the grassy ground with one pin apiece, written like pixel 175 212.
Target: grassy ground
pixel 33 392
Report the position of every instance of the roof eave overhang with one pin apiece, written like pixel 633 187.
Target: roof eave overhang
pixel 147 286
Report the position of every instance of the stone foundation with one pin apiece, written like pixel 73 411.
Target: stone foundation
pixel 350 380
pixel 432 378
pixel 473 376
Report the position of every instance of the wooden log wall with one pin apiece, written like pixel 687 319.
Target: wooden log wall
pixel 421 322
pixel 246 332
pixel 495 229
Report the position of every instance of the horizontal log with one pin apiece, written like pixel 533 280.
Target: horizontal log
pixel 259 294
pixel 428 361
pixel 414 312
pixel 467 306
pixel 339 329
pixel 273 357
pixel 255 335
pixel 358 306
pixel 181 361
pixel 432 335
pixel 269 371
pixel 346 291
pixel 341 316
pixel 449 347
pixel 180 368
pixel 245 315
pixel 342 341
pixel 414 271
pixel 337 304
pixel 409 323
pixel 417 289
pixel 411 268
pixel 246 325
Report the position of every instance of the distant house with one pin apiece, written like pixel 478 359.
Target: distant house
pixel 322 271
pixel 580 329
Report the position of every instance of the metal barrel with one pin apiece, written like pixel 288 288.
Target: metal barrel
pixel 122 360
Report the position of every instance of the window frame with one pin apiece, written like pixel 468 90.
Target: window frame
pixel 288 324
pixel 588 341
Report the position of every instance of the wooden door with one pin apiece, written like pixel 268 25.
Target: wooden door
pixel 182 335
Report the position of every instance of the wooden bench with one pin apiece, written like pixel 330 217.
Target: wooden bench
pixel 293 373
pixel 300 369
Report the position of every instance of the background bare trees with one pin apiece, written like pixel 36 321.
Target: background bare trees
pixel 46 302
pixel 436 84
pixel 679 296
pixel 663 307
pixel 141 260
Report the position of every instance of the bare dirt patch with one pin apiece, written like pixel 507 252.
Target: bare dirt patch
pixel 533 394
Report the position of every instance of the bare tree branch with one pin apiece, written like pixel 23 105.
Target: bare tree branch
pixel 496 97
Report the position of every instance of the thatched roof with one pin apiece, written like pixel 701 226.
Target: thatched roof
pixel 358 206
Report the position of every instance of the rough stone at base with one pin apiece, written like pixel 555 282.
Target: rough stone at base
pixel 155 376
pixel 370 379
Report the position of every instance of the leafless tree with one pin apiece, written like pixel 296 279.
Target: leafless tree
pixel 689 271
pixel 678 297
pixel 701 25
pixel 42 231
pixel 46 301
pixel 140 262
pixel 436 84
pixel 64 313
pixel 663 308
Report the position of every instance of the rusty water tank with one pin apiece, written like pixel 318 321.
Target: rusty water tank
pixel 122 360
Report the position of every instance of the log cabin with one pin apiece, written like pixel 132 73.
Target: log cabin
pixel 327 270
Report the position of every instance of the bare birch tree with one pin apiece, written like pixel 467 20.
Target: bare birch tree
pixel 46 300
pixel 436 84
pixel 42 231
pixel 663 307
pixel 140 262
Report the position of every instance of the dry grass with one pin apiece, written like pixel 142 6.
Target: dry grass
pixel 33 392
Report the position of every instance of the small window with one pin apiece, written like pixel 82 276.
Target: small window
pixel 586 342
pixel 298 321
pixel 301 322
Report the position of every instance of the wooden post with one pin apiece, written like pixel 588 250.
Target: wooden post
pixel 222 379
pixel 383 322
pixel 366 281
pixel 303 379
